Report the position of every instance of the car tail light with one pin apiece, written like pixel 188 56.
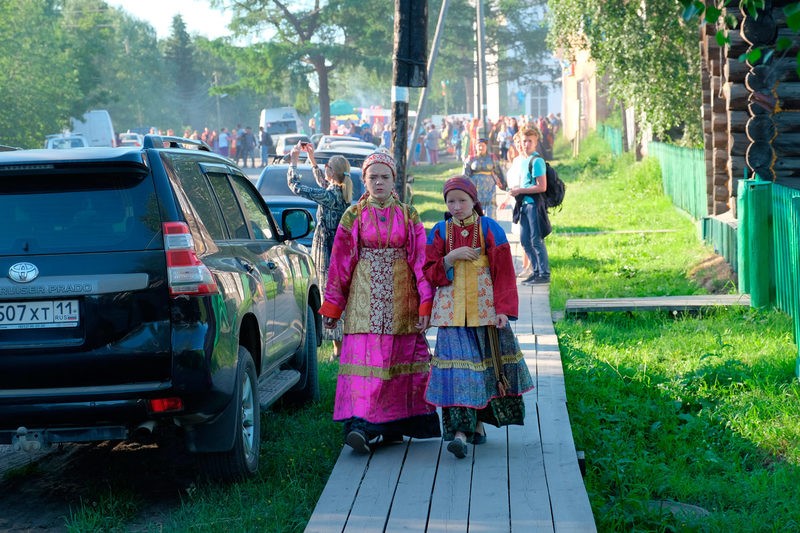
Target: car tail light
pixel 185 272
pixel 165 405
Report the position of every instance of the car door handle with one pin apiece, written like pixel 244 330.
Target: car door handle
pixel 247 265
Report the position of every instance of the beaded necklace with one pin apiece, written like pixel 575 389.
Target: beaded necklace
pixel 374 213
pixel 465 231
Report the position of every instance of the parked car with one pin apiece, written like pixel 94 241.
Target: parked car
pixel 284 143
pixel 131 139
pixel 323 140
pixel 273 187
pixel 332 145
pixel 62 141
pixel 278 204
pixel 150 290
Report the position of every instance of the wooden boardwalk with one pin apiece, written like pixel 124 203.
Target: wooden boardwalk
pixel 695 302
pixel 523 479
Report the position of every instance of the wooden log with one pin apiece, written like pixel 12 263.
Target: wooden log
pixel 737 144
pixel 790 177
pixel 760 158
pixel 721 194
pixel 787 122
pixel 763 78
pixel 735 166
pixel 737 45
pixel 720 159
pixel 736 96
pixel 787 163
pixel 758 109
pixel 785 144
pixel 737 121
pixel 759 31
pixel 788 97
pixel 761 128
pixel 734 70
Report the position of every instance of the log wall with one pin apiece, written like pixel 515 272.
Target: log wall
pixel 751 112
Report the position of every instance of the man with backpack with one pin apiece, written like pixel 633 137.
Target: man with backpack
pixel 533 219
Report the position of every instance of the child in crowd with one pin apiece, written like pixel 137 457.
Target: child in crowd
pixel 478 373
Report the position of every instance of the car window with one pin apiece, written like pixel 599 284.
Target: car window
pixel 198 191
pixel 78 212
pixel 231 212
pixel 254 209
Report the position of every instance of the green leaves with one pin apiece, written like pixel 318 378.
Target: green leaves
pixel 792 13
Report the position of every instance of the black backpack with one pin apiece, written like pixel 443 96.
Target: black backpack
pixel 554 194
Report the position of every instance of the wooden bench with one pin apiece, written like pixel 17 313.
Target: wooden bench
pixel 690 303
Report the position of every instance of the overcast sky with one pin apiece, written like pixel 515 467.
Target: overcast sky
pixel 199 17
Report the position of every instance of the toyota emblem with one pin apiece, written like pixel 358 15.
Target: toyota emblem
pixel 23 272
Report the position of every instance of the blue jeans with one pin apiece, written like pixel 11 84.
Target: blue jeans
pixel 530 236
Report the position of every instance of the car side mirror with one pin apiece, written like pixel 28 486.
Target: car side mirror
pixel 296 223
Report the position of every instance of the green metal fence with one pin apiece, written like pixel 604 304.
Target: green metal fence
pixel 785 206
pixel 613 136
pixel 683 175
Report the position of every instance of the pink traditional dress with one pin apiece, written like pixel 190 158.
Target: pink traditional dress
pixel 375 276
pixel 469 295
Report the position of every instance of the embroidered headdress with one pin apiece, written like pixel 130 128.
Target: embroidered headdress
pixel 378 157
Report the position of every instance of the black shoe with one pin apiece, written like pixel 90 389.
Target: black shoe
pixel 357 440
pixel 392 438
pixel 531 278
pixel 458 448
pixel 541 280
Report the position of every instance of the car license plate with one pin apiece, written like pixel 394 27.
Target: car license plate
pixel 39 314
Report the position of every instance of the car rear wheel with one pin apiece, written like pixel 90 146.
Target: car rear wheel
pixel 308 389
pixel 241 462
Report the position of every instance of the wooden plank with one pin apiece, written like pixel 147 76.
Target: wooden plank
pixel 568 498
pixel 374 499
pixel 410 507
pixel 449 508
pixel 527 484
pixel 333 507
pixel 488 508
pixel 655 303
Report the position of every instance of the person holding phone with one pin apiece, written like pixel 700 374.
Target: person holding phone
pixel 478 373
pixel 333 195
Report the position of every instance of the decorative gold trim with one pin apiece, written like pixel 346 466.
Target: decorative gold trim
pixel 484 365
pixel 384 373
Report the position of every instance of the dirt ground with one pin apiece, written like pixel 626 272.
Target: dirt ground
pixel 714 274
pixel 41 494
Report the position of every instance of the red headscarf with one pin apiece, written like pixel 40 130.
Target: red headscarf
pixel 463 184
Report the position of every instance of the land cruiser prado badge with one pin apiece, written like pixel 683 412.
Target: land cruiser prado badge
pixel 23 272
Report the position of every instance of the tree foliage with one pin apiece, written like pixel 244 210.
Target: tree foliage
pixel 38 78
pixel 649 57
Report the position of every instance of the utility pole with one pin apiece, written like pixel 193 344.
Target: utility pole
pixel 410 51
pixel 481 41
pixel 423 97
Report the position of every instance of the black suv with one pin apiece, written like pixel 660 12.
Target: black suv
pixel 149 288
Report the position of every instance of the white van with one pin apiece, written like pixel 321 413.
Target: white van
pixel 278 120
pixel 96 127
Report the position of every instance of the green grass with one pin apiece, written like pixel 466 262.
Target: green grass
pixel 697 409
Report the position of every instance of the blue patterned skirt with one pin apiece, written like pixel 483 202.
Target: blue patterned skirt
pixel 462 371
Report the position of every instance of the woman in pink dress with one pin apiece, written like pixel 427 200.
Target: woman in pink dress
pixel 375 277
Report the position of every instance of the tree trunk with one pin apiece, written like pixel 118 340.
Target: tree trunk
pixel 324 94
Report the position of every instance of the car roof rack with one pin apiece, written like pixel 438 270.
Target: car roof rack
pixel 166 141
